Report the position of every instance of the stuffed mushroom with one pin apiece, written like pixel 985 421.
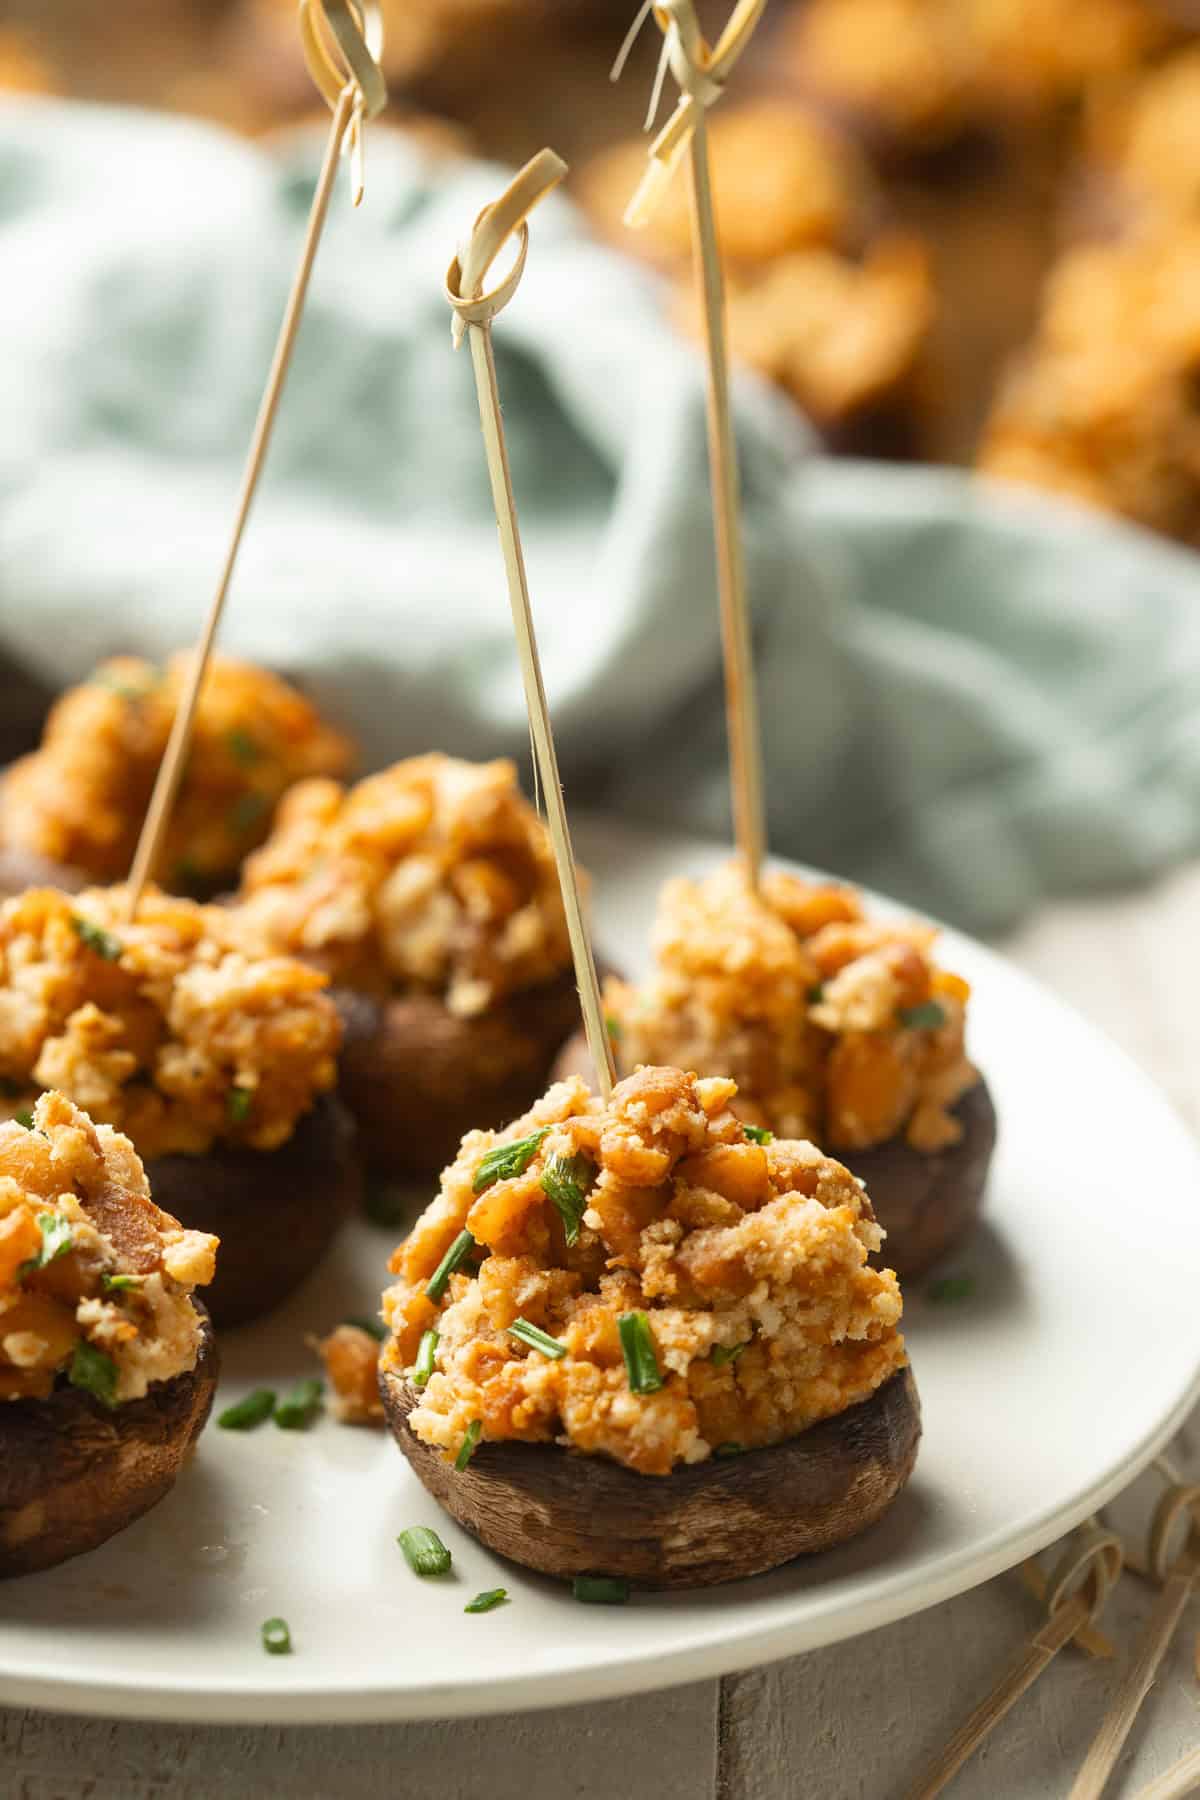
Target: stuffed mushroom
pixel 627 1338
pixel 836 1027
pixel 107 1361
pixel 428 894
pixel 217 1063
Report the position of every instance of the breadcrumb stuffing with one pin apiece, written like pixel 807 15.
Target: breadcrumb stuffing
pixel 835 1027
pixel 80 798
pixel 76 1218
pixel 725 1244
pixel 167 1029
pixel 435 875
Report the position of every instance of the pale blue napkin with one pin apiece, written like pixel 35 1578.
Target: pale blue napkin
pixel 970 697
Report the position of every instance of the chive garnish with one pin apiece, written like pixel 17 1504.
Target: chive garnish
pixel 816 994
pixel 120 1284
pixel 56 1240
pixel 504 1161
pixel 94 1372
pixel 729 1449
pixel 487 1601
pixel 613 1026
pixel 566 1180
pixel 24 1118
pixel 96 939
pixel 923 1018
pixel 601 1590
pixel 247 810
pixel 242 747
pixel 458 1253
pixel 301 1407
pixel 758 1134
pixel 244 1415
pixel 238 1102
pixel 426 1353
pixel 637 1347
pixel 469 1442
pixel 537 1339
pixel 424 1551
pixel 372 1327
pixel 727 1353
pixel 951 1287
pixel 277 1638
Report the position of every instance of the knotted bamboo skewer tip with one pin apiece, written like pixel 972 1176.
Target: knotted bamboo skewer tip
pixel 342 41
pixel 474 309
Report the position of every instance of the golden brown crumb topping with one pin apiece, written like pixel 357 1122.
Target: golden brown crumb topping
pixel 744 1266
pixel 435 875
pixel 80 799
pixel 167 1029
pixel 835 1027
pixel 1146 139
pixel 839 335
pixel 924 70
pixel 351 1359
pixel 1103 405
pixel 95 1281
pixel 783 180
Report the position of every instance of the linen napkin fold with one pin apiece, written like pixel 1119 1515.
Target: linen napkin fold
pixel 970 697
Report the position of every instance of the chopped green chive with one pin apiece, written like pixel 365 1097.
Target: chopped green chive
pixel 301 1407
pixel 566 1180
pixel 245 1414
pixel 94 1372
pixel 277 1638
pixel 372 1327
pixel 601 1590
pixel 816 994
pixel 424 1551
pixel 120 1284
pixel 56 1240
pixel 96 939
pixel 758 1134
pixel 426 1353
pixel 727 1353
pixel 613 1026
pixel 537 1339
pixel 468 1445
pixel 458 1253
pixel 637 1347
pixel 729 1449
pixel 923 1018
pixel 247 810
pixel 242 747
pixel 506 1160
pixel 238 1102
pixel 950 1288
pixel 23 1117
pixel 488 1601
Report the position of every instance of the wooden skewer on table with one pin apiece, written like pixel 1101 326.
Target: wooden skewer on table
pixel 342 41
pixel 474 311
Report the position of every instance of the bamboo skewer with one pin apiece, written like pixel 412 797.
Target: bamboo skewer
pixel 1183 1779
pixel 1096 1561
pixel 700 73
pixel 474 311
pixel 1178 1581
pixel 354 92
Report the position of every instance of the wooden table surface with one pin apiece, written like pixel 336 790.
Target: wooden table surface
pixel 856 1722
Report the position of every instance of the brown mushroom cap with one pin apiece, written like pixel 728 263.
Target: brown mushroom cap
pixel 565 1514
pixel 926 1200
pixel 73 1473
pixel 417 1077
pixel 275 1211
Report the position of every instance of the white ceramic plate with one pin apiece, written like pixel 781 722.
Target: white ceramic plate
pixel 1067 1369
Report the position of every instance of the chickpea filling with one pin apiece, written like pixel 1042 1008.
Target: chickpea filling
pixel 835 1027
pixel 166 1029
pixel 95 1281
pixel 434 876
pixel 81 797
pixel 742 1264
